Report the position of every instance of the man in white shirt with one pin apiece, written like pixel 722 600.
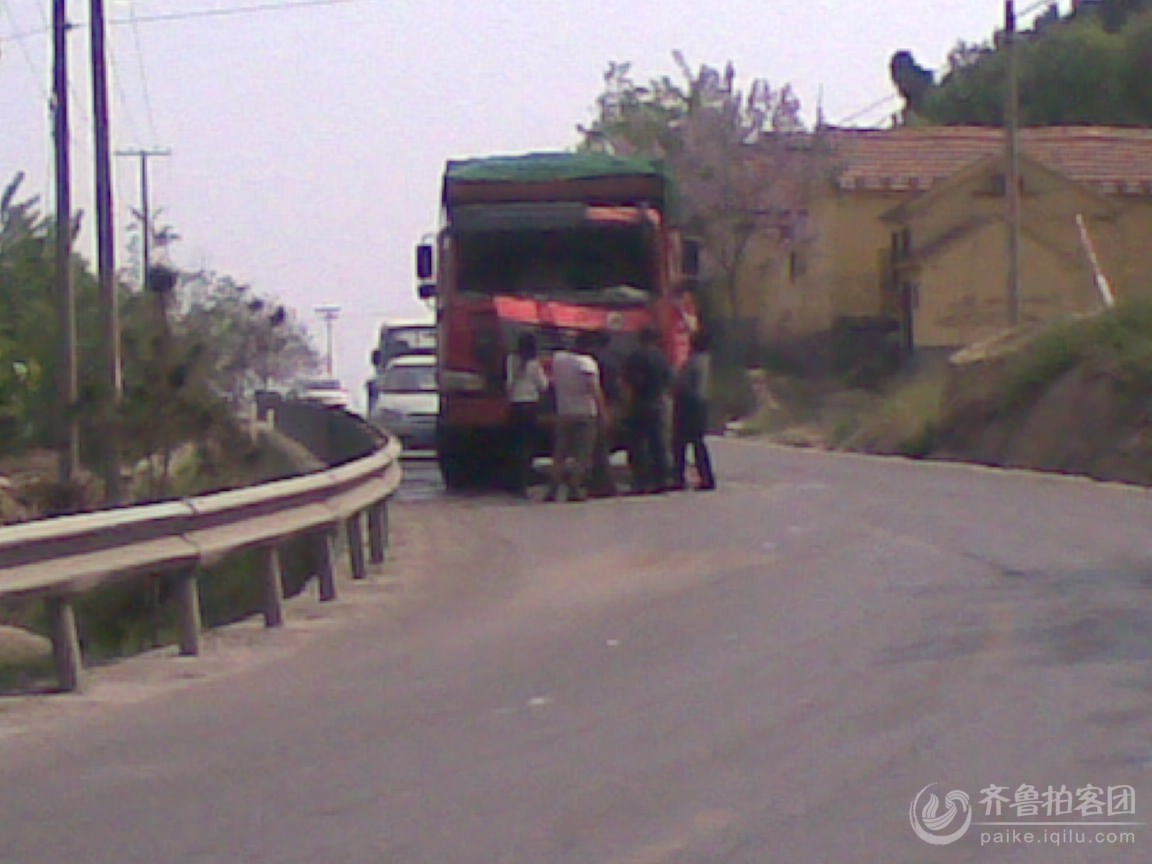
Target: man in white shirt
pixel 580 410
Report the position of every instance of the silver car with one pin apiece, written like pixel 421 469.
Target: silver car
pixel 407 402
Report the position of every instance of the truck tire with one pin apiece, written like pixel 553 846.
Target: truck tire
pixel 459 468
pixel 474 459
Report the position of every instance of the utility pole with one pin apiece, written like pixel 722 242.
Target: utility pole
pixel 68 377
pixel 106 257
pixel 1012 166
pixel 328 314
pixel 145 207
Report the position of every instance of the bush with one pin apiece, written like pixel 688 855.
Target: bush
pixel 1117 343
pixel 907 420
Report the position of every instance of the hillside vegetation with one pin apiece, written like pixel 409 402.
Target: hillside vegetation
pixel 1073 397
pixel 1090 67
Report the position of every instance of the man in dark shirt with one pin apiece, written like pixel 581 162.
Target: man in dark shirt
pixel 600 481
pixel 648 376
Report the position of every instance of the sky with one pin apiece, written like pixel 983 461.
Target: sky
pixel 308 137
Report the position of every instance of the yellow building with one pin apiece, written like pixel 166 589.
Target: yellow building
pixel 909 233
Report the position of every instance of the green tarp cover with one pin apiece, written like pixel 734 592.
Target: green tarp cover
pixel 542 167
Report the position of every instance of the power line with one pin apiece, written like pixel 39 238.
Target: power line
pixel 118 81
pixel 145 90
pixel 36 76
pixel 229 11
pixel 226 11
pixel 879 103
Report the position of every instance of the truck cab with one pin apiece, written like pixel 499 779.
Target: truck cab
pixel 554 244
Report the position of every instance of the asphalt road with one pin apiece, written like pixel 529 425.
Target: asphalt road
pixel 768 673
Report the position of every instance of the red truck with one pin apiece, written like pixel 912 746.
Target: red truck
pixel 553 243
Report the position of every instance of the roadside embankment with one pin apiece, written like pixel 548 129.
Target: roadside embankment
pixel 1073 397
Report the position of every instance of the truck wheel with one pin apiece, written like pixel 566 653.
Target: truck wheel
pixel 457 461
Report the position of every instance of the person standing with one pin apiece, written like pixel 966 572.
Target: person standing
pixel 600 482
pixel 648 376
pixel 525 383
pixel 580 412
pixel 690 416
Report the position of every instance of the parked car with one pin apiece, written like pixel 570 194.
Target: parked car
pixel 398 338
pixel 407 402
pixel 322 391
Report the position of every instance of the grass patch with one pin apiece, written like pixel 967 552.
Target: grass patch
pixel 732 394
pixel 27 676
pixel 1116 343
pixel 905 421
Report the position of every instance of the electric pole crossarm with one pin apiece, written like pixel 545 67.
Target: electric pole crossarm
pixel 145 207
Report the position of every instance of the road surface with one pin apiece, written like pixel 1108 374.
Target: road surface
pixel 772 672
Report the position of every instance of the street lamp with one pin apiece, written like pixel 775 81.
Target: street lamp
pixel 328 314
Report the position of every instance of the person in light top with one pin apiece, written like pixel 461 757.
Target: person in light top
pixel 580 412
pixel 526 383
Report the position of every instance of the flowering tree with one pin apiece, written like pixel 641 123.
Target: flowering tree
pixel 742 159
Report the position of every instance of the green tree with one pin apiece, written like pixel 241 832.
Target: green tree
pixel 252 341
pixel 1137 69
pixel 200 352
pixel 189 358
pixel 1087 69
pixel 28 322
pixel 1074 74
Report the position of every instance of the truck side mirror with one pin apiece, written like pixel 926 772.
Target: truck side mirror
pixel 426 290
pixel 424 262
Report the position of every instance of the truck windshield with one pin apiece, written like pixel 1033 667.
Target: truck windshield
pixel 594 264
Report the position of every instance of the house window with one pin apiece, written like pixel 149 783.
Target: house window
pixel 901 244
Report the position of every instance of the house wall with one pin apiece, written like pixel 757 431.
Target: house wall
pixel 961 242
pixel 1130 267
pixel 800 290
pixel 854 238
pixel 962 292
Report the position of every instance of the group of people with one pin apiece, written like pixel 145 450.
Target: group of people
pixel 584 383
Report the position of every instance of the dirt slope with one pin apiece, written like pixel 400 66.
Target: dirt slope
pixel 1072 400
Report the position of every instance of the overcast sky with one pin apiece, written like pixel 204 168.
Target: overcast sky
pixel 307 143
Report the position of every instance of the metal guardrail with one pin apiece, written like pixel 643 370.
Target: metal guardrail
pixel 57 560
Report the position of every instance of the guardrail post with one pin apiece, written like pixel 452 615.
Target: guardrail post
pixel 65 643
pixel 273 588
pixel 325 565
pixel 188 606
pixel 356 546
pixel 378 531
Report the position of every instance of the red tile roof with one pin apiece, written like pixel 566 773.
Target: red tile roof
pixel 1110 159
